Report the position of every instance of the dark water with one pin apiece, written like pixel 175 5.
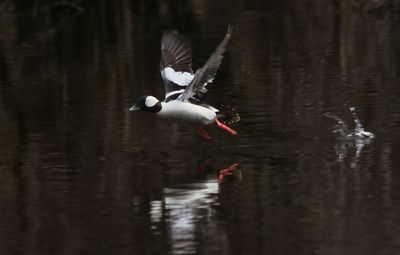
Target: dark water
pixel 79 174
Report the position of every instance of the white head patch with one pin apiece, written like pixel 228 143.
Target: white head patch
pixel 150 101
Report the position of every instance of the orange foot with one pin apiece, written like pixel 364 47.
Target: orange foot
pixel 224 127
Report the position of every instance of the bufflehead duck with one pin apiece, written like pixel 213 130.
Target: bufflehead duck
pixel 184 90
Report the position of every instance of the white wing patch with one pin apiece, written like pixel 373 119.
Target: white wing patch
pixel 180 78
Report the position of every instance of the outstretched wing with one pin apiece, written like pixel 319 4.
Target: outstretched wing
pixel 176 64
pixel 206 74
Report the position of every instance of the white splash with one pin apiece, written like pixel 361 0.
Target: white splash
pixel 359 129
pixel 345 132
pixel 341 126
pixel 349 139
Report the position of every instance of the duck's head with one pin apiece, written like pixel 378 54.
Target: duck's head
pixel 147 104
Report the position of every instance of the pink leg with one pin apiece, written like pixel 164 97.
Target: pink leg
pixel 224 127
pixel 203 133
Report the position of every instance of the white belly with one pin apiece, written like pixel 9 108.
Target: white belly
pixel 187 112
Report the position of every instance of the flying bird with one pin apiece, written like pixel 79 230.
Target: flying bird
pixel 185 89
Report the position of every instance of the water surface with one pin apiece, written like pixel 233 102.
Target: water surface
pixel 80 174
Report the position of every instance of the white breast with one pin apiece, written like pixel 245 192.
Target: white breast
pixel 187 112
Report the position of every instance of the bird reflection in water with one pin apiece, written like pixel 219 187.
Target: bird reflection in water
pixel 231 170
pixel 189 209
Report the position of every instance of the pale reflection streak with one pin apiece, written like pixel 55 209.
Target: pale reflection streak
pixel 186 206
pixel 344 148
pixel 188 210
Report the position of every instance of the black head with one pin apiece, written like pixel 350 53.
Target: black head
pixel 147 104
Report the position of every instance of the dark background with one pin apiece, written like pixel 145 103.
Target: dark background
pixel 80 174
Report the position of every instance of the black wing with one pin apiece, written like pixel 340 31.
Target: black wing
pixel 206 74
pixel 176 64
